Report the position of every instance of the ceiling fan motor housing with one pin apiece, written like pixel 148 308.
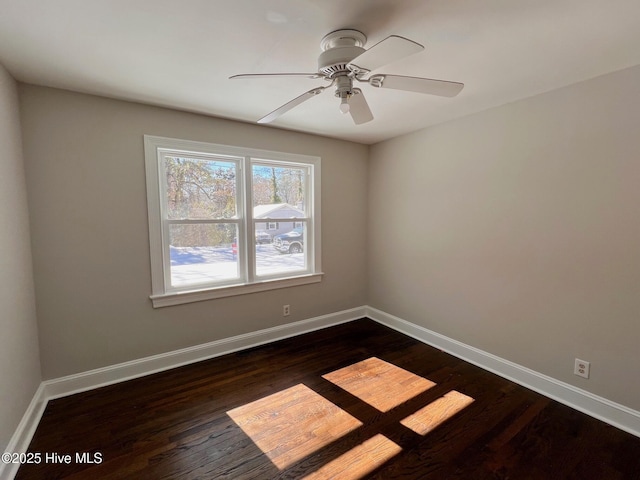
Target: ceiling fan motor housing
pixel 339 48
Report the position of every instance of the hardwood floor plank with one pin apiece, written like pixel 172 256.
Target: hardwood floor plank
pixel 357 400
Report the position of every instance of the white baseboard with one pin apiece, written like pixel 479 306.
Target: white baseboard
pixel 601 408
pixel 610 412
pixel 64 386
pixel 80 382
pixel 21 438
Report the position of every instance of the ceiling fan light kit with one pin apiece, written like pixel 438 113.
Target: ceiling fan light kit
pixel 344 60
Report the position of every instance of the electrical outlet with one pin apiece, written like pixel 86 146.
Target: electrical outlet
pixel 581 368
pixel 286 310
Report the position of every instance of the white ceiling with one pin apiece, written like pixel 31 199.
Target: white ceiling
pixel 180 53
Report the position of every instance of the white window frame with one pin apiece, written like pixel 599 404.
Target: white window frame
pixel 156 148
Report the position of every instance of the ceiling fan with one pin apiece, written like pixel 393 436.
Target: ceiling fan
pixel 344 61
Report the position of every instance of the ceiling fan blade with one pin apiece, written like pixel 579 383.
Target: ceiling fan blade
pixel 273 75
pixel 359 108
pixel 388 50
pixel 291 104
pixel 429 86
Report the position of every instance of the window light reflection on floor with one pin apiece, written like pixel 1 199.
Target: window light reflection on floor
pixel 359 461
pixel 437 412
pixel 293 424
pixel 378 383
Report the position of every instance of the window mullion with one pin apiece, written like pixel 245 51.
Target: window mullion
pixel 249 222
pixel 241 219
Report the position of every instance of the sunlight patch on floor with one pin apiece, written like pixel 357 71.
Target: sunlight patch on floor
pixel 437 412
pixel 293 423
pixel 359 461
pixel 378 383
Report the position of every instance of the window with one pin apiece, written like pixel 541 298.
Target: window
pixel 227 221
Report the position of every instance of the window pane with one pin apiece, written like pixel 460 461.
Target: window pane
pixel 203 253
pixel 280 253
pixel 199 189
pixel 279 192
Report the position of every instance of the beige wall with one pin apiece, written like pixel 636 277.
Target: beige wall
pixel 19 360
pixel 517 231
pixel 514 230
pixel 86 182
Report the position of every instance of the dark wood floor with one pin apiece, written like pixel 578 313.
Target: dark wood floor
pixel 353 401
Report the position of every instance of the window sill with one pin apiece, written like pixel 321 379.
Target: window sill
pixel 169 299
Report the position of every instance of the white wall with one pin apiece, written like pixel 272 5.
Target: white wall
pixel 85 175
pixel 517 231
pixel 19 359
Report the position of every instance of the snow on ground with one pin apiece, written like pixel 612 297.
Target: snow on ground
pixel 194 265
